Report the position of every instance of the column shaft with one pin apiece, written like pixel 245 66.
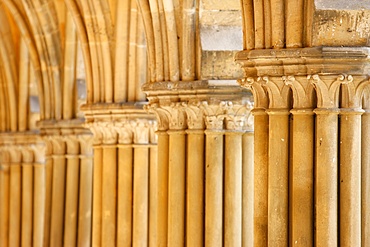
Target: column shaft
pixel 124 207
pixel 48 196
pixel 158 228
pixel 27 204
pixel 233 189
pixel 278 177
pixel 39 205
pixel 365 181
pixel 176 188
pixel 326 178
pixel 248 189
pixel 57 201
pixel 195 188
pixel 15 205
pixel 301 179
pixel 261 140
pixel 85 202
pixel 141 196
pixel 214 189
pixel 153 185
pixel 350 178
pixel 97 197
pixel 109 195
pixel 71 209
pixel 4 205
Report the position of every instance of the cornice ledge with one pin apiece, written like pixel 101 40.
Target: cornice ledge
pixel 304 61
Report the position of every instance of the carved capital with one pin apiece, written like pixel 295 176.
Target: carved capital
pixel 353 90
pixel 124 130
pixel 302 90
pixel 195 116
pixel 277 91
pixel 72 144
pixel 86 144
pixel 239 117
pixel 141 131
pixel 259 92
pixel 55 144
pixel 327 89
pixel 104 132
pixel 214 115
pixel 170 115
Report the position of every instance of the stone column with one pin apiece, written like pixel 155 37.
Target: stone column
pixel 15 196
pixel 4 196
pixel 302 162
pixel 85 190
pixel 213 204
pixel 261 144
pixel 214 171
pixel 125 183
pixel 278 169
pixel 326 174
pixel 121 175
pixel 72 193
pixel 236 125
pixel 350 160
pixel 365 170
pixel 57 147
pixel 195 174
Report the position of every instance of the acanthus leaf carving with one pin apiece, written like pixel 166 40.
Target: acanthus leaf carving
pixel 214 115
pixel 124 131
pixel 195 116
pixel 239 117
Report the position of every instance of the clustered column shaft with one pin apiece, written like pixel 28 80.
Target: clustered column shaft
pixel 206 152
pixel 314 160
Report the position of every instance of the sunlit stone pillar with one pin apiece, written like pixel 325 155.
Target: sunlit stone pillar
pixel 260 166
pixel 301 201
pixel 236 125
pixel 350 160
pixel 4 196
pixel 72 193
pixel 85 190
pixel 365 169
pixel 278 169
pixel 195 174
pixel 192 140
pixel 15 196
pixel 326 152
pixel 214 172
pixel 122 161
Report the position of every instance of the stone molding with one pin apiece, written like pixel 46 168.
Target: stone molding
pixel 309 91
pixel 305 61
pixel 125 123
pixel 199 106
pixel 21 147
pixel 124 131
